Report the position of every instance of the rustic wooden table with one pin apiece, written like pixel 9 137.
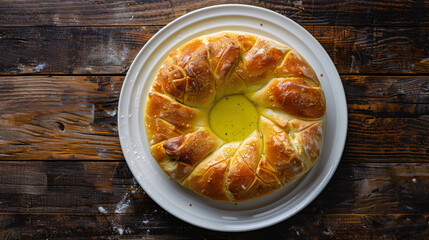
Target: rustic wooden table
pixel 62 172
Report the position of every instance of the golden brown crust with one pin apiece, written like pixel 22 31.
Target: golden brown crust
pixel 179 115
pixel 280 152
pixel 159 130
pixel 166 118
pixel 171 80
pixel 295 65
pixel 243 165
pixel 223 53
pixel 260 61
pixel 257 189
pixel 179 155
pixel 293 96
pixel 279 81
pixel 244 40
pixel 311 140
pixel 249 176
pixel 199 83
pixel 278 117
pixel 208 177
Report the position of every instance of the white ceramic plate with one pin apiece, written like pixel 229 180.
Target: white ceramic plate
pixel 180 201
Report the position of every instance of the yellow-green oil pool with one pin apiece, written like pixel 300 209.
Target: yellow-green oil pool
pixel 233 118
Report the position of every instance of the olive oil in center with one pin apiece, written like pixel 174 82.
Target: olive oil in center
pixel 233 118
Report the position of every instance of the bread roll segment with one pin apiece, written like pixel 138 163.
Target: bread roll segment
pixel 179 155
pixel 243 165
pixel 223 53
pixel 208 177
pixel 260 61
pixel 295 65
pixel 293 96
pixel 279 82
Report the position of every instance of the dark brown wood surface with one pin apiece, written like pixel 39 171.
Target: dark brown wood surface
pixel 62 172
pixel 110 50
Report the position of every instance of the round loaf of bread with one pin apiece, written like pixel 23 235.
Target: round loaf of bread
pixel 284 141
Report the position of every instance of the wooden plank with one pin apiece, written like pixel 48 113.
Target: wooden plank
pixel 75 117
pixel 386 139
pixel 387 89
pixel 113 12
pixel 374 188
pixel 59 117
pixel 71 50
pixel 111 50
pixel 381 50
pixel 388 118
pixel 107 226
pixel 71 187
pixel 85 187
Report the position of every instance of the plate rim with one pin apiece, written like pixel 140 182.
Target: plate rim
pixel 133 73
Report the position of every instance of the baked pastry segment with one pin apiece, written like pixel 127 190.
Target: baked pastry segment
pixel 293 96
pixel 265 183
pixel 260 61
pixel 159 130
pixel 187 77
pixel 278 117
pixel 242 170
pixel 295 65
pixel 244 40
pixel 208 178
pixel 178 156
pixel 249 176
pixel 179 115
pixel 166 118
pixel 306 136
pixel 311 140
pixel 223 54
pixel 280 152
pixel 171 80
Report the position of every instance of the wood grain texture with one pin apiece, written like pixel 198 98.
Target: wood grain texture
pixel 301 226
pixel 86 187
pixel 59 117
pixel 381 50
pixel 111 50
pixel 113 12
pixel 75 117
pixel 71 50
pixel 388 118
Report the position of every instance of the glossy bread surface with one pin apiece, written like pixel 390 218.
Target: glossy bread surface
pixel 275 78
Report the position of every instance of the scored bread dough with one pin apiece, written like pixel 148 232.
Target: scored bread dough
pixel 275 78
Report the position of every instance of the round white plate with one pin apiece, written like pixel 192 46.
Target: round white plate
pixel 182 202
